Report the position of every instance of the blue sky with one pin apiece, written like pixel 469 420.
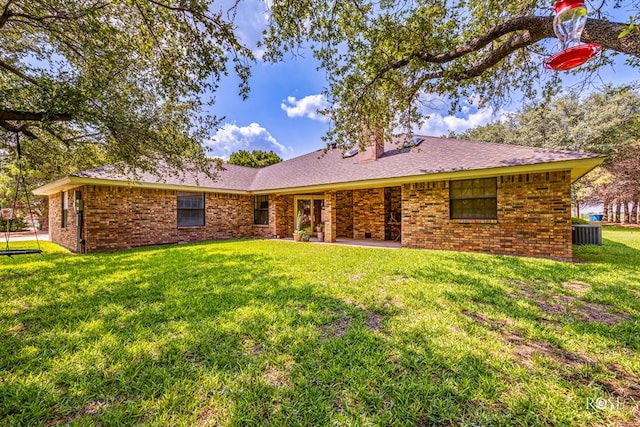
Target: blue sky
pixel 281 112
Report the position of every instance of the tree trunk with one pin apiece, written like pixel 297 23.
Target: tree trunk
pixel 627 212
pixel 577 209
pixel 610 212
pixel 617 213
pixel 605 210
pixel 634 212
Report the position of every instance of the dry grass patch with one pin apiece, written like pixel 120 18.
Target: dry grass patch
pixel 570 305
pixel 619 384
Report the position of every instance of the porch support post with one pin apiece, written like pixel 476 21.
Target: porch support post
pixel 330 205
pixel 274 201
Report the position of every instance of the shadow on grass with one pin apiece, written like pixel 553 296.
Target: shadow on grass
pixel 539 309
pixel 215 333
pixel 208 334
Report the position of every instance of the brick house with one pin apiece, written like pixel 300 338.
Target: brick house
pixel 432 193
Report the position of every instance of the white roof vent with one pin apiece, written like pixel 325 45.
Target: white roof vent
pixel 350 153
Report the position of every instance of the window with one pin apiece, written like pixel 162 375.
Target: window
pixel 190 209
pixel 474 199
pixel 261 210
pixel 65 209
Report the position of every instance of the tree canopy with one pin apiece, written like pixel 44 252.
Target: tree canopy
pixel 384 57
pixel 130 77
pixel 254 159
pixel 606 121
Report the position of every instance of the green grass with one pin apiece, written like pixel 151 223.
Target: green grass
pixel 283 333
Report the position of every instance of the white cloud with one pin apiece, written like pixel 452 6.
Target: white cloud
pixel 231 137
pixel 250 19
pixel 438 124
pixel 306 107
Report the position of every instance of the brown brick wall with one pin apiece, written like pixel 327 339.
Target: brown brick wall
pixel 122 217
pixel 66 237
pixel 344 214
pixel 534 218
pixel 262 231
pixel 330 216
pixel 282 208
pixel 368 213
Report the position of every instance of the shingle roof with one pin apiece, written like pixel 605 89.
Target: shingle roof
pixel 232 177
pixel 432 156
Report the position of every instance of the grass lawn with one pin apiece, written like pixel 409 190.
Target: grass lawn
pixel 283 333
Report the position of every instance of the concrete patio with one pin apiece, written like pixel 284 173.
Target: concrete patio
pixel 344 241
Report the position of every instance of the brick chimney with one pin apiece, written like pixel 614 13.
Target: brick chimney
pixel 374 145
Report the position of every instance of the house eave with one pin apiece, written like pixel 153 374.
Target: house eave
pixel 578 168
pixel 71 182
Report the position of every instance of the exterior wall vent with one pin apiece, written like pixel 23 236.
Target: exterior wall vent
pixel 586 234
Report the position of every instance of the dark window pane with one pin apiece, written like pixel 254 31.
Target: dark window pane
pixel 190 218
pixel 261 210
pixel 190 200
pixel 261 217
pixel 65 209
pixel 456 209
pixel 190 209
pixel 473 199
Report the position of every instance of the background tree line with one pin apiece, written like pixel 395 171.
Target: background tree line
pixel 607 122
pixel 254 158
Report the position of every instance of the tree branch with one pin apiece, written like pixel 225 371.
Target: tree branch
pixel 528 30
pixel 153 34
pixel 203 17
pixel 69 16
pixel 80 137
pixel 181 9
pixel 11 128
pixel 6 14
pixel 606 33
pixel 18 73
pixel 60 35
pixel 533 24
pixel 33 116
pixel 515 42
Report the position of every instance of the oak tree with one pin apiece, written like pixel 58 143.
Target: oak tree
pixel 130 77
pixel 384 57
pixel 133 76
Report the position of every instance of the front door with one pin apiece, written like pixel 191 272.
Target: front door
pixel 309 213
